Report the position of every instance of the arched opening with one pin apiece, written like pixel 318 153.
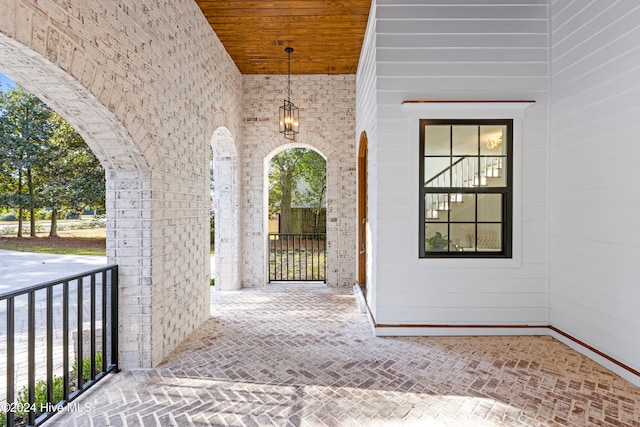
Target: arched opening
pixel 363 201
pixel 128 180
pixel 295 214
pixel 224 197
pixel 47 174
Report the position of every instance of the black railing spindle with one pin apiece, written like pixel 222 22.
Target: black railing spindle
pixel 37 406
pixel 79 326
pixel 11 394
pixel 297 257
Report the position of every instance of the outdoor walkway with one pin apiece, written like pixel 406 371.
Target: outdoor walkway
pixel 302 355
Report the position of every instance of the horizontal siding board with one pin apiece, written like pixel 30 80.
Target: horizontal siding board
pixel 462 3
pixel 454 11
pixel 457 41
pixel 462 316
pixel 595 129
pixel 592 24
pixel 597 94
pixel 621 229
pixel 393 127
pixel 592 290
pixel 529 279
pixel 395 98
pixel 611 41
pixel 442 300
pixel 562 11
pixel 462 26
pixel 535 54
pixel 466 84
pixel 463 69
pixel 606 88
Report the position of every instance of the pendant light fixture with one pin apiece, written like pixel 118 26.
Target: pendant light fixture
pixel 289 112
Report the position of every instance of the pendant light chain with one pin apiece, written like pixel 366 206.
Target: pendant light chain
pixel 289 50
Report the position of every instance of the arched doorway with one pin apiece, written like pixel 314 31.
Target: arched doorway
pixel 296 197
pixel 225 209
pixel 363 201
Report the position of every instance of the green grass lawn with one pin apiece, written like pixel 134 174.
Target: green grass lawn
pixel 39 247
pixel 70 242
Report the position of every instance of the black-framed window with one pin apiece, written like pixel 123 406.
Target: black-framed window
pixel 466 188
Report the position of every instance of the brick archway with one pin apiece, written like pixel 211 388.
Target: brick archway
pixel 126 171
pixel 101 67
pixel 314 142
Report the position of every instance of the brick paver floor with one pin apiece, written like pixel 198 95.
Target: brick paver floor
pixel 302 355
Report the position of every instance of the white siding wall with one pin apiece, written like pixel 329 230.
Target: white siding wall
pixel 474 50
pixel 595 160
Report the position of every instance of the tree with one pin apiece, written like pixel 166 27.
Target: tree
pixel 74 178
pixel 287 168
pixel 44 162
pixel 313 169
pixel 24 127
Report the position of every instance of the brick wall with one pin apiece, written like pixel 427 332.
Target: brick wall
pixel 146 83
pixel 327 120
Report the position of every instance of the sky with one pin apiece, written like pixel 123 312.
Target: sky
pixel 6 81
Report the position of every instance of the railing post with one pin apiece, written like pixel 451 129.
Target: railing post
pixel 50 391
pixel 11 394
pixel 65 340
pixel 31 356
pixel 105 296
pixel 114 318
pixel 79 349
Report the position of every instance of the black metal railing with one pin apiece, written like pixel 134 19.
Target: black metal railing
pixel 60 337
pixel 297 257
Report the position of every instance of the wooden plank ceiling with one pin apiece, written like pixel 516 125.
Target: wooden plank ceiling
pixel 326 35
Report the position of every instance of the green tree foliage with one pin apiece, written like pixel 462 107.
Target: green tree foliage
pixel 74 177
pixel 313 169
pixel 44 162
pixel 287 168
pixel 24 128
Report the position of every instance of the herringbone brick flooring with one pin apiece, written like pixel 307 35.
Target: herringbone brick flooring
pixel 301 355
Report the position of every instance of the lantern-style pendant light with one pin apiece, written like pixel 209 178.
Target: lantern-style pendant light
pixel 289 112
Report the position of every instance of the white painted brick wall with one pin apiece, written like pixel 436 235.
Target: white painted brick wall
pixel 118 72
pixel 327 123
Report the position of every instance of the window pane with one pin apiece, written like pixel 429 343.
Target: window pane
pixel 436 171
pixel 490 207
pixel 436 140
pixel 468 169
pixel 466 188
pixel 463 207
pixel 434 205
pixel 436 238
pixel 494 171
pixel 458 169
pixel 493 140
pixel 465 140
pixel 463 237
pixel 489 237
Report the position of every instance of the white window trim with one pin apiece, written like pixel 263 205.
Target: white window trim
pixel 469 111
